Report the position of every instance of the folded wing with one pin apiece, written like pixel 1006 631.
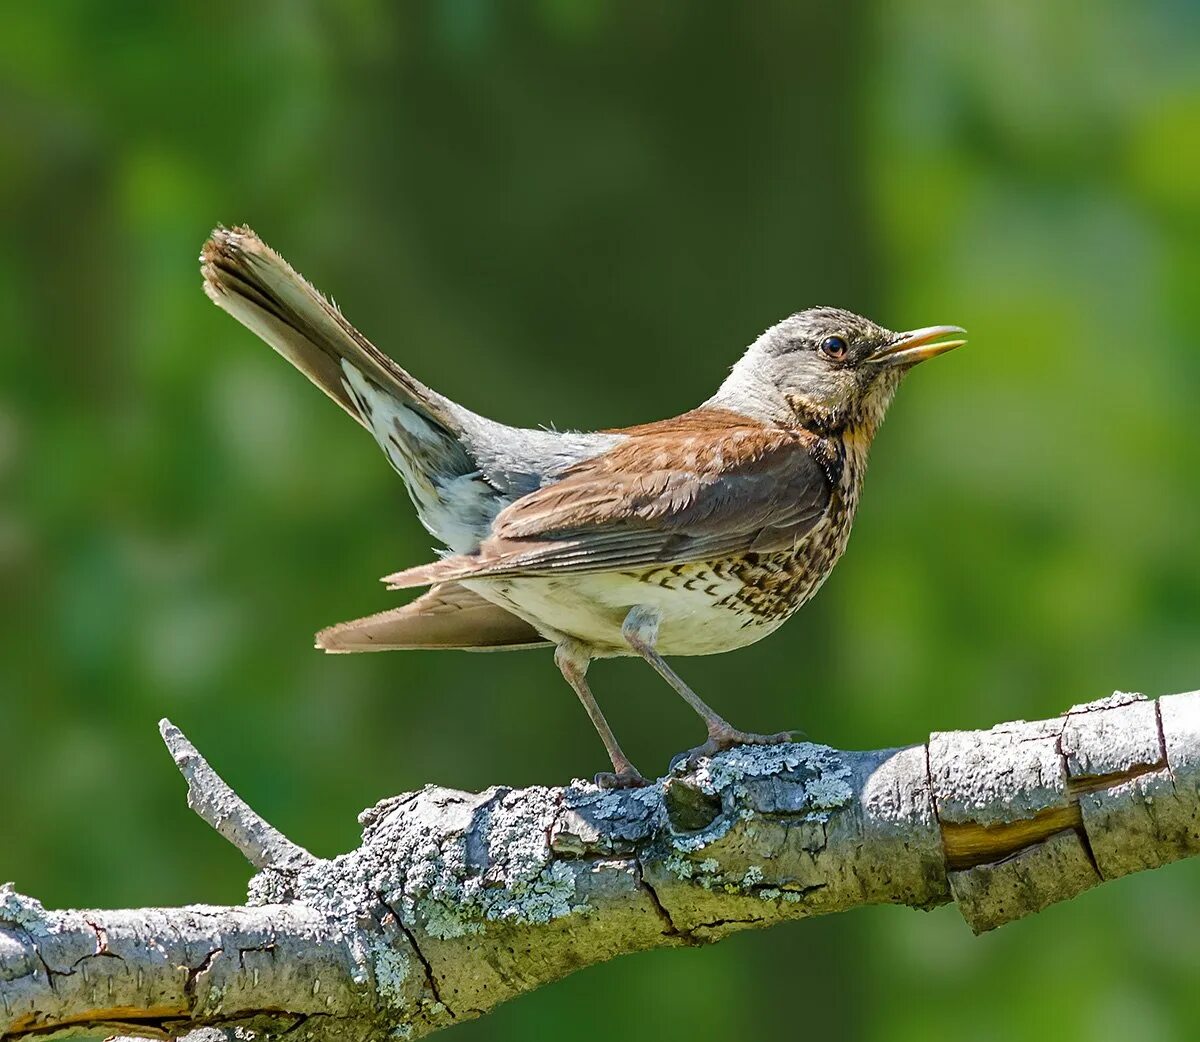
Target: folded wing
pixel 659 498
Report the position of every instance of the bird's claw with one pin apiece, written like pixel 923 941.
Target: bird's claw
pixel 729 738
pixel 630 778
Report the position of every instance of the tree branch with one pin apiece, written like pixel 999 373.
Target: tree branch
pixel 209 796
pixel 456 901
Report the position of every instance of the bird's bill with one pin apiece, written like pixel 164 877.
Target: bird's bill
pixel 917 345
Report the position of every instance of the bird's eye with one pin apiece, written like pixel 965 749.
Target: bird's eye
pixel 834 347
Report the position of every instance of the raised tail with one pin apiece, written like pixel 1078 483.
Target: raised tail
pixel 420 431
pixel 253 283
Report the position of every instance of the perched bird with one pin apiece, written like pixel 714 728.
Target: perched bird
pixel 689 536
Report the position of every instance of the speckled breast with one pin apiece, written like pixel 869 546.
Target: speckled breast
pixel 774 585
pixel 705 607
pixel 738 600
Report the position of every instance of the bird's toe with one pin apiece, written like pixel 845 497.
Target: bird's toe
pixel 627 779
pixel 729 739
pixel 732 737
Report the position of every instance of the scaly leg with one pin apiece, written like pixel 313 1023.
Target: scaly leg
pixel 572 659
pixel 640 631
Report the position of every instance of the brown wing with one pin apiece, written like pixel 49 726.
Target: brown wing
pixel 656 499
pixel 448 616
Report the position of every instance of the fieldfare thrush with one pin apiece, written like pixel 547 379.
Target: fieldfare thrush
pixel 689 536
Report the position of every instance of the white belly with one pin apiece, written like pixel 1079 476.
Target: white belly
pixel 700 613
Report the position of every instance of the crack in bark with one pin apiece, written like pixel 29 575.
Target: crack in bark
pixel 1082 784
pixel 970 844
pixel 102 950
pixel 729 922
pixel 157 1025
pixel 101 937
pixel 430 976
pixel 51 973
pixel 194 974
pixel 1085 843
pixel 1162 742
pixel 144 1027
pixel 639 874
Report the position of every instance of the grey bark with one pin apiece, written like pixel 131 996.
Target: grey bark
pixel 457 901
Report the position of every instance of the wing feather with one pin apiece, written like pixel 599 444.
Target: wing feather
pixel 656 499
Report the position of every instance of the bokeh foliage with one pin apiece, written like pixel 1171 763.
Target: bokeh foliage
pixel 577 212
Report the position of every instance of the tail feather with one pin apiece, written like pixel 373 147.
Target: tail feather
pixel 449 616
pixel 420 432
pixel 254 284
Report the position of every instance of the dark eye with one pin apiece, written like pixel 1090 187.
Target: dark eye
pixel 833 347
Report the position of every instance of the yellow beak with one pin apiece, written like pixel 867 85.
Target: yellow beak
pixel 917 345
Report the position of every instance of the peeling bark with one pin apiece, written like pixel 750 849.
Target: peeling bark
pixel 457 901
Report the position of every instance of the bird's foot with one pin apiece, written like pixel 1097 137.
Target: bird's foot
pixel 720 739
pixel 628 778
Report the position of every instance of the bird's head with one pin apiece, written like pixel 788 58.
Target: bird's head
pixel 828 367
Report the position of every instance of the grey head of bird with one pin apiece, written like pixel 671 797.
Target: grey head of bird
pixel 827 368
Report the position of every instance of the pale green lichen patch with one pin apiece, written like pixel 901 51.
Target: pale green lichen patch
pixel 451 863
pixel 465 906
pixel 750 761
pixel 799 780
pixel 19 909
pixel 707 875
pixel 817 767
pixel 391 968
pixel 615 804
pixel 829 792
pixel 679 866
pixel 446 921
pixel 760 787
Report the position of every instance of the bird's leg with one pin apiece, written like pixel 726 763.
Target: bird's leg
pixel 640 631
pixel 572 659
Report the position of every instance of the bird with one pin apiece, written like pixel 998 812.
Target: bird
pixel 694 535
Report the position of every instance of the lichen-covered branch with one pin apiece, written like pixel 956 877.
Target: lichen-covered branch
pixel 457 901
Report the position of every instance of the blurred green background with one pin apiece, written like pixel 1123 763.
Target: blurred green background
pixel 578 213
